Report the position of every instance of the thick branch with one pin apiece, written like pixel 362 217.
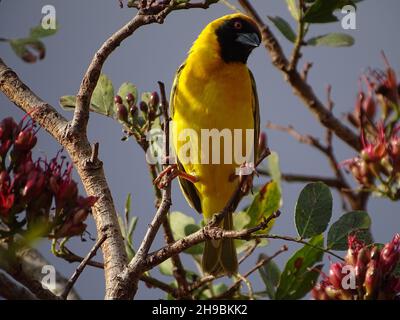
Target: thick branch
pixel 11 290
pixel 80 151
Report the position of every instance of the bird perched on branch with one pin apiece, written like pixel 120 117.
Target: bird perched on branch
pixel 214 89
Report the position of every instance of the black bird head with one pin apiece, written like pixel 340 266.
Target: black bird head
pixel 237 37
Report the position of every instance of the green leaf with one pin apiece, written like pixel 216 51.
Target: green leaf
pixel 40 32
pixel 132 227
pixel 182 226
pixel 217 289
pixel 321 11
pixel 332 40
pixel 313 210
pixel 274 168
pixel 166 267
pixel 125 88
pixel 270 275
pixel 68 102
pixel 284 27
pixel 28 49
pixel 264 204
pixel 145 97
pixel 293 9
pixel 128 206
pixel 103 96
pixel 240 220
pixel 347 224
pixel 102 99
pixel 300 273
pixel 122 226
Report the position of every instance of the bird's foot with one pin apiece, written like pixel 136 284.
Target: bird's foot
pixel 170 173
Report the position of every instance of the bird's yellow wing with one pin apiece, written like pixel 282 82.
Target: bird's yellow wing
pixel 188 188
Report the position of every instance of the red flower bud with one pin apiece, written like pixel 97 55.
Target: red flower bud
pixel 390 256
pixel 154 100
pixel 6 202
pixel 143 107
pixel 8 128
pixel 122 112
pixel 372 280
pixel 361 265
pixel 117 99
pixel 25 141
pixel 336 275
pixel 131 99
pixel 133 111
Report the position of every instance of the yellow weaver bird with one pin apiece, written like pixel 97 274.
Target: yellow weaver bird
pixel 214 89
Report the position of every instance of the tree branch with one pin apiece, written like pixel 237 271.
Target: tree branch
pixel 11 290
pixel 299 86
pixel 330 182
pixel 340 182
pixel 178 269
pixel 80 151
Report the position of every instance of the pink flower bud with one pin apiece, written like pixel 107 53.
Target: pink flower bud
pixel 390 256
pixel 361 265
pixel 372 280
pixel 26 140
pixel 336 275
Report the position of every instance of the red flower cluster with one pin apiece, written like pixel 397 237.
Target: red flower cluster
pixel 379 159
pixel 33 187
pixel 369 272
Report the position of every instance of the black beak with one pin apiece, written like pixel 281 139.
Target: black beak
pixel 249 39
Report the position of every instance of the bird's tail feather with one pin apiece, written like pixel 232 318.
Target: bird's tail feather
pixel 219 256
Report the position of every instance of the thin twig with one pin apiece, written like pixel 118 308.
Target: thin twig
pixel 287 177
pixel 249 251
pixel 157 14
pixel 306 139
pixel 296 53
pixel 210 231
pixel 297 240
pixel 340 182
pixel 178 269
pixel 234 287
pixel 306 69
pixel 82 266
pixel 136 265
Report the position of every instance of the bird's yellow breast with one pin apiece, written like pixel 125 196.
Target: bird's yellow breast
pixel 218 97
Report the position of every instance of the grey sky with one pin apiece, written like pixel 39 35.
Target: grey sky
pixel 153 53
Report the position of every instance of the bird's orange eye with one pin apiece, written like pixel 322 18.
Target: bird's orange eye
pixel 237 25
